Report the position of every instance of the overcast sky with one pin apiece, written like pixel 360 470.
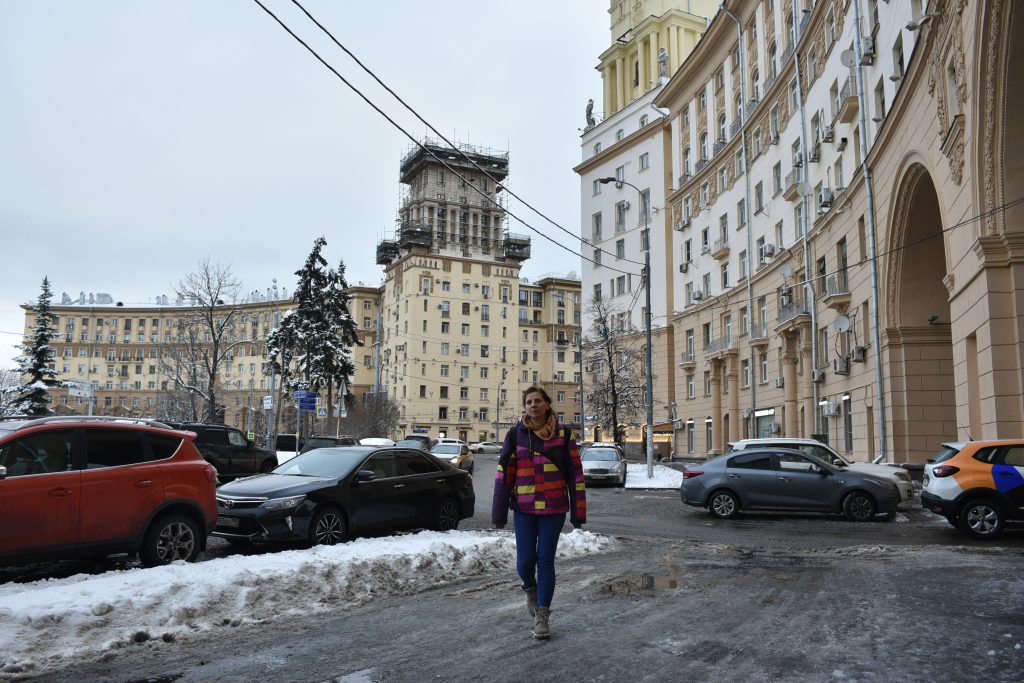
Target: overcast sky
pixel 137 138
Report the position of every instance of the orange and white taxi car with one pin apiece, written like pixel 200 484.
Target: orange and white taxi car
pixel 977 485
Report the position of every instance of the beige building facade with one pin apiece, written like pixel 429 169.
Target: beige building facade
pixel 845 185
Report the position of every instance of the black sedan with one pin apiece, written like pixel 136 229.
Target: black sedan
pixel 784 479
pixel 328 495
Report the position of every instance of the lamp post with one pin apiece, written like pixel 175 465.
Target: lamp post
pixel 647 324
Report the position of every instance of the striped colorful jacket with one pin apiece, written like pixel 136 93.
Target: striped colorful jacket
pixel 539 477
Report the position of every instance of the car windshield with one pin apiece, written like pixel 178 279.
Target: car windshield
pixel 447 449
pixel 327 463
pixel 603 454
pixel 945 454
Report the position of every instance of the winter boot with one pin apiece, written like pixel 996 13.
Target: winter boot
pixel 540 625
pixel 531 599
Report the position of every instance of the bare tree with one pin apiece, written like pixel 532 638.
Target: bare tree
pixel 612 352
pixel 10 385
pixel 374 414
pixel 207 333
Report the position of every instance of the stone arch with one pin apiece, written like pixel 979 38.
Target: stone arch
pixel 919 348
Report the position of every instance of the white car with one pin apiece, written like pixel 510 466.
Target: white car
pixel 376 441
pixel 896 475
pixel 486 447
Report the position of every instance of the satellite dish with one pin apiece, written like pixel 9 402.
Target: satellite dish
pixel 803 188
pixel 842 324
pixel 848 58
pixel 785 271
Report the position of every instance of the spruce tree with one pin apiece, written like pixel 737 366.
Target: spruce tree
pixel 36 365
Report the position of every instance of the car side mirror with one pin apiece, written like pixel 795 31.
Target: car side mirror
pixel 363 476
pixel 3 472
pixel 823 471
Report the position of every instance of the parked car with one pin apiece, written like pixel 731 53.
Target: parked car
pixel 409 443
pixel 329 495
pixel 455 454
pixel 785 479
pixel 444 439
pixel 822 451
pixel 317 441
pixel 287 442
pixel 422 440
pixel 90 486
pixel 488 447
pixel 227 449
pixel 978 486
pixel 603 464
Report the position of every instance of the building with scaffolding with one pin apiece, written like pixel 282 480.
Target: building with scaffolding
pixel 461 334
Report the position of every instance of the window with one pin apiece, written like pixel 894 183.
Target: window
pixel 725 276
pixel 687 162
pixel 445 347
pixel 723 179
pixel 645 161
pixel 645 206
pixel 741 213
pixel 597 187
pixel 40 453
pixel 794 96
pixel 620 173
pixel 758 197
pixel 619 134
pixel 597 148
pixel 643 120
pixel 704 152
pixel 777 178
pixel 620 217
pixel 112 448
pixel 702 100
pixel 723 132
pixel 620 248
pixel 745 373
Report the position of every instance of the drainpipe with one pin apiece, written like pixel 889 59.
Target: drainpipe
pixel 809 291
pixel 876 339
pixel 746 204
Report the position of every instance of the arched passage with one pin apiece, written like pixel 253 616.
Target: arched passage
pixel 920 349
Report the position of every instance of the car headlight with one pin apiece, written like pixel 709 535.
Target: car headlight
pixel 283 503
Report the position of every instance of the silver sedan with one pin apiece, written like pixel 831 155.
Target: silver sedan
pixel 485 447
pixel 604 464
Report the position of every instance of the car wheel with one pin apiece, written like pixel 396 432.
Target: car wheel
pixel 169 538
pixel 447 516
pixel 267 466
pixel 981 519
pixel 859 507
pixel 724 504
pixel 328 527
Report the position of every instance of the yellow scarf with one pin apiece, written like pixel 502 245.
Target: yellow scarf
pixel 544 431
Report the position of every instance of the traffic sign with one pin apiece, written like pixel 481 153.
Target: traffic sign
pixel 321 411
pixel 251 436
pixel 268 402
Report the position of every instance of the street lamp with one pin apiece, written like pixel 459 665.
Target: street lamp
pixel 647 324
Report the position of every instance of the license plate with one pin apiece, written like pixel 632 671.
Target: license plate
pixel 227 521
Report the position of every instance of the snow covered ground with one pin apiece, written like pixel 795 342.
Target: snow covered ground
pixel 664 477
pixel 49 624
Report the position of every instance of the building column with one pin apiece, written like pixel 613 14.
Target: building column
pixel 620 81
pixel 606 82
pixel 716 407
pixel 734 398
pixel 807 358
pixel 652 67
pixel 789 379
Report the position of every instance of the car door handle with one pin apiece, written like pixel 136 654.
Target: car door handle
pixel 144 484
pixel 60 493
pixel 399 486
pixel 733 476
pixel 784 479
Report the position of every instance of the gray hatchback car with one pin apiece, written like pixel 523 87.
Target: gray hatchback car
pixel 784 479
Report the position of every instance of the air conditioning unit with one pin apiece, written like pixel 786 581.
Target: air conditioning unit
pixel 683 267
pixel 767 250
pixel 817 376
pixel 773 139
pixel 830 409
pixel 858 354
pixel 682 224
pixel 697 296
pixel 588 368
pixel 825 197
pixel 476 416
pixel 625 205
pixel 868 55
pixel 841 366
pixel 458 351
pixel 776 428
pixel 798 160
pixel 706 249
pixel 779 382
pixel 828 134
pixel 815 154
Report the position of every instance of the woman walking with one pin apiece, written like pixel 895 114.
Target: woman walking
pixel 541 478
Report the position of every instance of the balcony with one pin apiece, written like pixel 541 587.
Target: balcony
pixel 758 336
pixel 721 249
pixel 718 146
pixel 847 103
pixel 792 315
pixel 701 163
pixel 723 346
pixel 685 178
pixel 792 182
pixel 837 292
pixel 687 360
pixel 734 129
pixel 786 54
pixel 516 247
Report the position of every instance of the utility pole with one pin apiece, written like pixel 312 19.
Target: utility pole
pixel 649 371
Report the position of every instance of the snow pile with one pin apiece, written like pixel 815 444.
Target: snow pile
pixel 664 477
pixel 47 623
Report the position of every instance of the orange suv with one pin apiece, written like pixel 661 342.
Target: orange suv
pixel 977 485
pixel 94 486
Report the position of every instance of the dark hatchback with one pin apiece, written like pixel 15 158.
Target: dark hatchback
pixel 227 449
pixel 329 495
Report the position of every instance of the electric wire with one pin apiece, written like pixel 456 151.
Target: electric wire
pixel 418 143
pixel 440 134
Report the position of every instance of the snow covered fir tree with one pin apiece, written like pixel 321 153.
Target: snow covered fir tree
pixel 311 347
pixel 37 362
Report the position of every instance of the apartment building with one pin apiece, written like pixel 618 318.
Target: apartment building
pixel 850 256
pixel 461 333
pixel 120 353
pixel 649 40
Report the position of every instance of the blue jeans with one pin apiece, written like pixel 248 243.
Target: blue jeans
pixel 536 542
